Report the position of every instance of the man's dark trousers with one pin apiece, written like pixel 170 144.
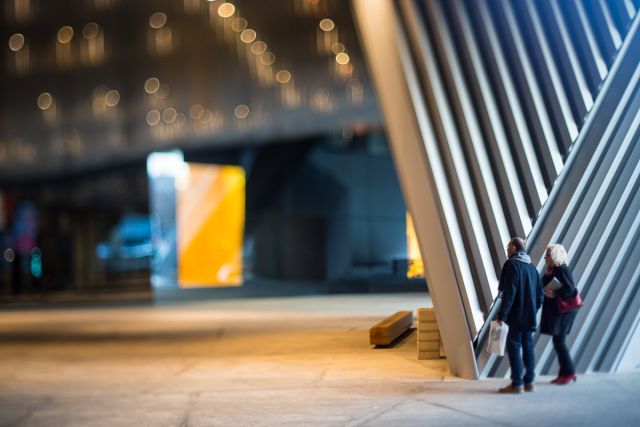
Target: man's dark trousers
pixel 516 341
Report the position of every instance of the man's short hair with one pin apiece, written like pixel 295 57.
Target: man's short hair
pixel 519 244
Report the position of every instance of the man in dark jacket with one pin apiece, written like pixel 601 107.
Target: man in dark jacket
pixel 522 297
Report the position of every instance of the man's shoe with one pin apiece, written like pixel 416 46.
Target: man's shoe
pixel 511 389
pixel 530 387
pixel 566 379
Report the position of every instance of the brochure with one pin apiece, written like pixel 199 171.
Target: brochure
pixel 554 284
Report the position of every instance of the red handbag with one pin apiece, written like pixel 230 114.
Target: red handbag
pixel 567 305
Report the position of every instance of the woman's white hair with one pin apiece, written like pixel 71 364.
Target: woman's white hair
pixel 558 254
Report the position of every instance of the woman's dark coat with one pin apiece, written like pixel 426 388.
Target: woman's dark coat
pixel 553 322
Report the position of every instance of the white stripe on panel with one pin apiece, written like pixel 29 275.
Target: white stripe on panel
pixel 630 322
pixel 611 26
pixel 603 33
pixel 525 156
pixel 599 154
pixel 593 46
pixel 610 111
pixel 620 14
pixel 454 164
pixel 551 67
pixel 630 8
pixel 572 57
pixel 586 264
pixel 598 292
pixel 499 147
pixel 548 147
pixel 489 198
pixel 618 275
pixel 588 146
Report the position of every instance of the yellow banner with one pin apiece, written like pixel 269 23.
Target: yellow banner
pixel 210 216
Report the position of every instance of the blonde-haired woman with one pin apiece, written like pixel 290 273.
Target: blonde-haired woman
pixel 553 322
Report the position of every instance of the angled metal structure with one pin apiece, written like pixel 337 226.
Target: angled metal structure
pixel 516 118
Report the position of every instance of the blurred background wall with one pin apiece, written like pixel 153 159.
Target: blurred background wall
pixel 278 88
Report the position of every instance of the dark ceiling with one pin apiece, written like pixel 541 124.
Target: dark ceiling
pixel 87 96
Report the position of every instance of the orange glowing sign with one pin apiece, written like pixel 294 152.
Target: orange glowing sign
pixel 416 265
pixel 210 211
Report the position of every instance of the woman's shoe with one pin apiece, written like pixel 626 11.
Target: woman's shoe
pixel 555 381
pixel 566 379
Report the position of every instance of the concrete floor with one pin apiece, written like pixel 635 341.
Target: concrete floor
pixel 285 361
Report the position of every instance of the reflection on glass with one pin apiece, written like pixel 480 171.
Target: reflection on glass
pixel 196 111
pixel 64 53
pixel 180 120
pixel 356 92
pixel 268 58
pixel 92 50
pixel 258 48
pixel 47 104
pixel 159 35
pixel 337 48
pixel 22 10
pixel 191 6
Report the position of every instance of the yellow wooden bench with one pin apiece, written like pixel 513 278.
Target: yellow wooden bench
pixel 390 328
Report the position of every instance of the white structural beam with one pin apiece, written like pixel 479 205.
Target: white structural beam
pixel 416 157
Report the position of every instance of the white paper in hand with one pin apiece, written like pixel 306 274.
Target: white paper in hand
pixel 497 338
pixel 554 284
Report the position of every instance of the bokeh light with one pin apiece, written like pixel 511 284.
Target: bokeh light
pixel 151 85
pixel 158 20
pixel 16 42
pixel 112 98
pixel 283 76
pixel 327 25
pixel 90 31
pixel 248 36
pixel 65 34
pixel 45 100
pixel 153 117
pixel 241 111
pixel 342 58
pixel 226 10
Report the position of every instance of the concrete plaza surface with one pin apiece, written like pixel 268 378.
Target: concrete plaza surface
pixel 272 362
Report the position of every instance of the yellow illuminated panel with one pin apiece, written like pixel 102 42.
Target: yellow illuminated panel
pixel 210 219
pixel 416 265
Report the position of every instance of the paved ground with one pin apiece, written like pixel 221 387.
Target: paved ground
pixel 280 362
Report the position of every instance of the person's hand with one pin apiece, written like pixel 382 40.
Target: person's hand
pixel 549 293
